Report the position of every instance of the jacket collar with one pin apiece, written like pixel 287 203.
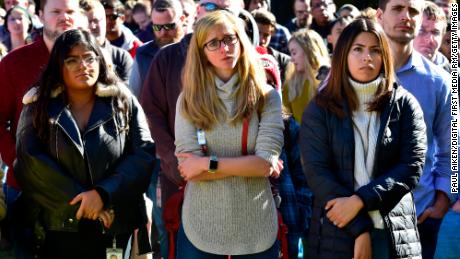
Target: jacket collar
pixel 415 60
pixel 60 114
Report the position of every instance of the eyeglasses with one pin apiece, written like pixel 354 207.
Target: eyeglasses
pixel 168 26
pixel 113 16
pixel 215 44
pixel 211 7
pixel 73 63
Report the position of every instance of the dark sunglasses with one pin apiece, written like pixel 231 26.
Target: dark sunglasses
pixel 113 16
pixel 168 26
pixel 211 7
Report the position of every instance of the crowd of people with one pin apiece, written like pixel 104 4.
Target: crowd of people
pixel 213 129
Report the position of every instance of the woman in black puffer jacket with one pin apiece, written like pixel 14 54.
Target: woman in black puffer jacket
pixel 363 146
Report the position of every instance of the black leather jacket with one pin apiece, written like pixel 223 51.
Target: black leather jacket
pixel 327 149
pixel 117 163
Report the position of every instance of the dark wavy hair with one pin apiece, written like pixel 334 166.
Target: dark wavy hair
pixel 52 77
pixel 338 88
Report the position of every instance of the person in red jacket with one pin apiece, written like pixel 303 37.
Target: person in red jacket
pixel 19 70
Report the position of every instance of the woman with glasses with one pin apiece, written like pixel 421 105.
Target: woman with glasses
pixel 363 144
pixel 229 134
pixel 84 154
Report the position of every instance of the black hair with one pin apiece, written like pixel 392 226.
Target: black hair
pixel 114 5
pixel 52 77
pixel 264 17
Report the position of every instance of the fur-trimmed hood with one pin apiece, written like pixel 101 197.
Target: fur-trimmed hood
pixel 102 90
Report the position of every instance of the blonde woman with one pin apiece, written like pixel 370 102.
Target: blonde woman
pixel 308 54
pixel 229 134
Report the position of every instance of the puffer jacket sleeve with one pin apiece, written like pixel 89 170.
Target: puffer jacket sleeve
pixel 316 155
pixel 387 190
pixel 37 172
pixel 132 175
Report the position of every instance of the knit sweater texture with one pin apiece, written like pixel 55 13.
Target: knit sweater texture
pixel 366 126
pixel 234 215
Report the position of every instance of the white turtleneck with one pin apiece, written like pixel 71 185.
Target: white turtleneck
pixel 366 128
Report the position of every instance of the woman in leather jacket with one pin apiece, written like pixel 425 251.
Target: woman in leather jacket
pixel 363 145
pixel 84 154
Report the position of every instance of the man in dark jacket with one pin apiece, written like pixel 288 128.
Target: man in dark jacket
pixel 97 25
pixel 302 17
pixel 323 14
pixel 167 20
pixel 159 94
pixel 117 33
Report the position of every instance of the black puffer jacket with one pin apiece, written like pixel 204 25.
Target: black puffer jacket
pixel 117 162
pixel 327 149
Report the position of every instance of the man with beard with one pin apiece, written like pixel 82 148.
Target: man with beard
pixel 323 15
pixel 302 17
pixel 120 58
pixel 19 70
pixel 430 84
pixel 167 23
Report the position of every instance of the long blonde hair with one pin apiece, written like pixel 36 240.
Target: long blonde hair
pixel 200 103
pixel 316 56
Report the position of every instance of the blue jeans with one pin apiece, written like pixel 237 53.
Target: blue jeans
pixel 449 237
pixel 186 250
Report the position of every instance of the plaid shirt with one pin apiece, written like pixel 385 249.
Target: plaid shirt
pixel 280 39
pixel 296 197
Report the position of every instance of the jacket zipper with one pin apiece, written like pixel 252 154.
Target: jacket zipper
pixel 321 221
pixel 386 220
pixel 85 155
pixel 88 164
pixel 83 137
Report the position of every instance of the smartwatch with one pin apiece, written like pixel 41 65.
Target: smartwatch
pixel 213 163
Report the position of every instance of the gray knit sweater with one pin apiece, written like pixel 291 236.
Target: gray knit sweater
pixel 235 215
